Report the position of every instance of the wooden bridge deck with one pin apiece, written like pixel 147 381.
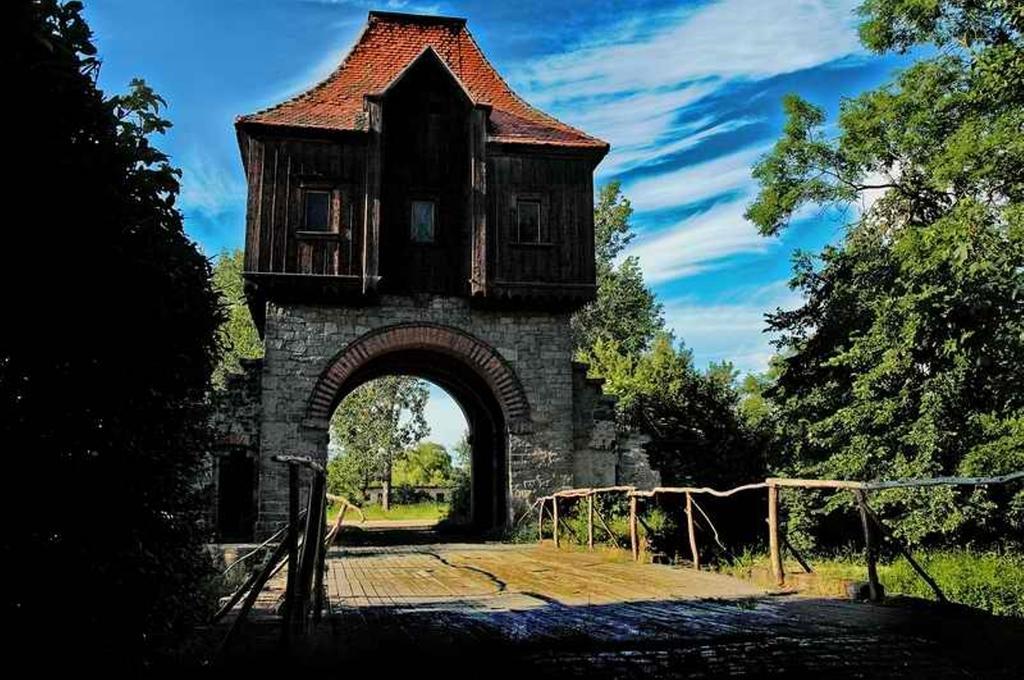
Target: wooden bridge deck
pixel 501 577
pixel 469 610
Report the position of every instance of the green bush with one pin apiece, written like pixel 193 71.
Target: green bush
pixel 991 580
pixel 656 529
pixel 459 509
pixel 986 580
pixel 105 376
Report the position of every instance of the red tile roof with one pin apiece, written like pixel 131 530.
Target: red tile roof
pixel 389 43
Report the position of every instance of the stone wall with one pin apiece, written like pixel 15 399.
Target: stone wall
pixel 236 416
pixel 595 442
pixel 237 407
pixel 633 465
pixel 301 341
pixel 606 453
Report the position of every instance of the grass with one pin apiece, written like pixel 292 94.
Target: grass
pixel 428 510
pixel 990 581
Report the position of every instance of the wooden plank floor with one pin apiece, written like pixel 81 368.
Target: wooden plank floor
pixel 501 577
pixel 474 610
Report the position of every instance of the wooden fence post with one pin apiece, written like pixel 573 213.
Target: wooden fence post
pixel 773 535
pixel 690 530
pixel 870 553
pixel 291 586
pixel 590 521
pixel 634 539
pixel 540 521
pixel 309 560
pixel 321 554
pixel 554 515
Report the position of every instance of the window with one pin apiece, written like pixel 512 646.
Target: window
pixel 421 227
pixel 317 211
pixel 528 222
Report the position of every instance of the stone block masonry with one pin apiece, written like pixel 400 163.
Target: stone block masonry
pixel 303 340
pixel 557 429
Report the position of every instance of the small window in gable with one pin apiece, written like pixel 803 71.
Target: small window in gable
pixel 317 211
pixel 528 222
pixel 421 226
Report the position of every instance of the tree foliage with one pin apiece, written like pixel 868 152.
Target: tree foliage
pixel 425 464
pixel 625 310
pixel 102 388
pixel 907 357
pixel 374 427
pixel 238 336
pixel 699 437
pixel 691 414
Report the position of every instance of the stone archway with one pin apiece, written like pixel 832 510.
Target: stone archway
pixel 510 371
pixel 473 373
pixel 428 338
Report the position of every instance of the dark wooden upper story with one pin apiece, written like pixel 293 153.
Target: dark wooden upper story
pixel 415 169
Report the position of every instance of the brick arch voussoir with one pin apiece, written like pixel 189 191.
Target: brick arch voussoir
pixel 471 351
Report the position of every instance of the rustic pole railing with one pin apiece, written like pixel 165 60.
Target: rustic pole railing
pixel 774 553
pixel 590 521
pixel 692 534
pixel 870 550
pixel 554 518
pixel 634 539
pixel 346 505
pixel 303 564
pixel 871 524
pixel 292 539
pixel 540 519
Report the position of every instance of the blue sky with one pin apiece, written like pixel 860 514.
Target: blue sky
pixel 687 93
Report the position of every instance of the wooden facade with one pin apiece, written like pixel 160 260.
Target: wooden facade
pixel 425 194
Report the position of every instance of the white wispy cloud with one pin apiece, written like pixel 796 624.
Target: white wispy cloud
pixel 209 188
pixel 723 40
pixel 640 84
pixel 694 183
pixel 631 82
pixel 699 242
pixel 731 328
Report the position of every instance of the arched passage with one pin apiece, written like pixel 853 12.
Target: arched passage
pixel 473 373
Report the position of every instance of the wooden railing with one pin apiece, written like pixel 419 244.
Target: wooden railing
pixel 871 524
pixel 304 599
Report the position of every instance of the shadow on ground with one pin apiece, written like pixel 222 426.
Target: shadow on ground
pixel 762 637
pixel 532 635
pixel 357 536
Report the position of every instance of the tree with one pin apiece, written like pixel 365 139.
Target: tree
pixel 238 336
pixel 625 310
pixel 425 464
pixel 377 423
pixel 699 437
pixel 462 454
pixel 460 506
pixel 907 357
pixel 103 380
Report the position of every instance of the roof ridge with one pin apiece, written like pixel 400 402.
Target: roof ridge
pixel 416 18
